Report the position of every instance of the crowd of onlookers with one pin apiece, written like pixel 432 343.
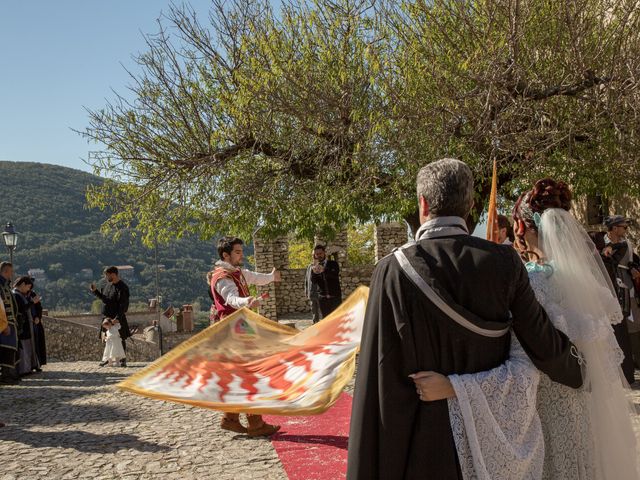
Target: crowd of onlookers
pixel 22 344
pixel 623 266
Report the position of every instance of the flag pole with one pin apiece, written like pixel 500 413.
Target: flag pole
pixel 493 228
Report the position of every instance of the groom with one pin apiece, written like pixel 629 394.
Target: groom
pixel 444 304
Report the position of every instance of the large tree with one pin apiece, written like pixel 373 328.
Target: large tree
pixel 319 115
pixel 543 87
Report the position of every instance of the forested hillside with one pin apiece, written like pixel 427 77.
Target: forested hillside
pixel 46 204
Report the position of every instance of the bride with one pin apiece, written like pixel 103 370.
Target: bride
pixel 513 422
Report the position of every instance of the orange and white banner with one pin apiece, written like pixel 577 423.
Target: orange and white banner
pixel 247 363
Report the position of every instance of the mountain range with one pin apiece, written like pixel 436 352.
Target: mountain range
pixel 61 236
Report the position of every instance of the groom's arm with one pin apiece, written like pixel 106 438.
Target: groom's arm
pixel 548 348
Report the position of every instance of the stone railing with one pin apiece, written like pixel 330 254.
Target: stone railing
pixel 140 319
pixel 69 341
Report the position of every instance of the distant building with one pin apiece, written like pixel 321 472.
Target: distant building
pixel 86 273
pixel 126 272
pixel 38 275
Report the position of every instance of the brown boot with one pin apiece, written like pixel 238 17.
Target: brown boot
pixel 231 422
pixel 258 427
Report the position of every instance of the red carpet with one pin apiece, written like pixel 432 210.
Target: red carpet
pixel 315 447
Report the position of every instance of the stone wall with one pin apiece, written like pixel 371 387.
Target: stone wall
pixel 288 296
pixel 387 237
pixel 336 247
pixel 270 254
pixel 353 277
pixel 173 339
pixel 69 341
pixel 140 319
pixel 291 297
pixel 290 292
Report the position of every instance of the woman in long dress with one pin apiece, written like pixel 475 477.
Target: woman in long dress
pixel 513 422
pixel 28 357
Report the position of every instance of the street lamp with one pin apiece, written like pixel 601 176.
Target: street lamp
pixel 10 237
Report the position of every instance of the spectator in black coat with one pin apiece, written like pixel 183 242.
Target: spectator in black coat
pixel 325 275
pixel 115 297
pixel 39 343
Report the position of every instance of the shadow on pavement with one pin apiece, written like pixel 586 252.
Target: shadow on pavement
pixel 329 440
pixel 80 441
pixel 50 398
pixel 108 376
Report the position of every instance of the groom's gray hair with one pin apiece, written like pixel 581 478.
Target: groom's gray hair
pixel 447 186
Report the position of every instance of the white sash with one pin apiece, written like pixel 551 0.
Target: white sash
pixel 423 286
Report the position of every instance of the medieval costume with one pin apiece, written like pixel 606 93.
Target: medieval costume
pixel 27 358
pixel 230 287
pixel 3 319
pixel 9 343
pixel 485 286
pixel 514 423
pixel 328 285
pixel 230 291
pixel 3 326
pixel 39 343
pixel 616 258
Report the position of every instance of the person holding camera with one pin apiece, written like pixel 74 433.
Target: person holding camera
pixel 325 276
pixel 115 297
pixel 621 249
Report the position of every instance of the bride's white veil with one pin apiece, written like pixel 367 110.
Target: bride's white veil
pixel 587 295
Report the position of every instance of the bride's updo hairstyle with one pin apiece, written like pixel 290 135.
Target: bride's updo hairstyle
pixel 545 194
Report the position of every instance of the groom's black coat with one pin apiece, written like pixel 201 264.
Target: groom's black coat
pixel 393 434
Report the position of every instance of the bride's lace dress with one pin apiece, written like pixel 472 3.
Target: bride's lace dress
pixel 513 422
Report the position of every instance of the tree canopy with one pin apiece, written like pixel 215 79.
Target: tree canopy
pixel 316 115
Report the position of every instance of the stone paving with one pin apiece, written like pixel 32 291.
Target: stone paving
pixel 70 422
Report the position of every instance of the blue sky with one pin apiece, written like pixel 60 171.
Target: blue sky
pixel 57 57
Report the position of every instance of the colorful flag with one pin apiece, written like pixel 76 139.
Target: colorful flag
pixel 248 363
pixel 493 229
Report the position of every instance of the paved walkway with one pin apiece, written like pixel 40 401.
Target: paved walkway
pixel 70 422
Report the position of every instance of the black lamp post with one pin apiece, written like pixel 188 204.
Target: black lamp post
pixel 10 237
